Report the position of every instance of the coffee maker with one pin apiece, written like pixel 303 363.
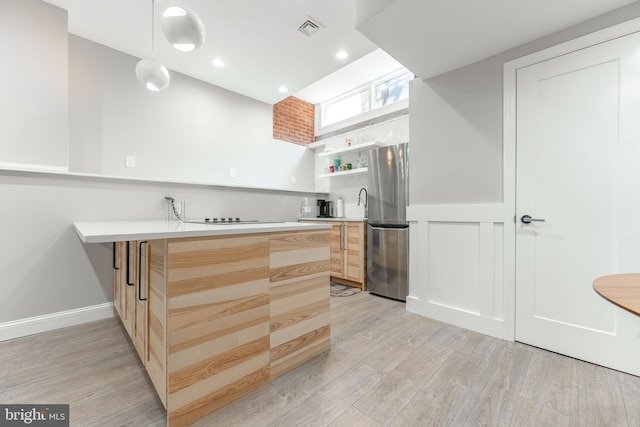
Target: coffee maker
pixel 324 208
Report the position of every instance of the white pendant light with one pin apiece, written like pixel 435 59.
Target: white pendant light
pixel 151 73
pixel 183 28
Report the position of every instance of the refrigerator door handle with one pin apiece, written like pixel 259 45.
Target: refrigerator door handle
pixel 400 227
pixel 377 228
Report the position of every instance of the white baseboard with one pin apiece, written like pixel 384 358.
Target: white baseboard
pixel 457 317
pixel 49 322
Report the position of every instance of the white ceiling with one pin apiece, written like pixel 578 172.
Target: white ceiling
pixel 431 37
pixel 257 39
pixel 262 49
pixel 358 73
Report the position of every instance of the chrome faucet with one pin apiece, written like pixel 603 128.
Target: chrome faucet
pixel 172 201
pixel 366 197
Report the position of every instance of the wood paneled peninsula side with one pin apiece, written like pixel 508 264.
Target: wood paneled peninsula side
pixel 216 311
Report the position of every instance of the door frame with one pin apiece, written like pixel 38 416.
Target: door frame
pixel 509 149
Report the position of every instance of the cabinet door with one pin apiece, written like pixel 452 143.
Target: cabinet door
pixel 119 280
pixel 128 287
pixel 355 250
pixel 156 348
pixel 130 290
pixel 124 284
pixel 139 333
pixel 218 335
pixel 337 250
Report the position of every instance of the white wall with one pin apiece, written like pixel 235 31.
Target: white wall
pixel 33 72
pixel 456 136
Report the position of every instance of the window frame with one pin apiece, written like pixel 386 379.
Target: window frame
pixel 372 110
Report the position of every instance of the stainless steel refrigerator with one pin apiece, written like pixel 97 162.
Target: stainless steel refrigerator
pixel 388 229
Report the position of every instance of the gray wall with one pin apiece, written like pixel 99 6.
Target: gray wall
pixel 193 132
pixel 33 72
pixel 456 123
pixel 44 266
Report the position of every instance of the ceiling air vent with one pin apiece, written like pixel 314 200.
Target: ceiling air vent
pixel 309 26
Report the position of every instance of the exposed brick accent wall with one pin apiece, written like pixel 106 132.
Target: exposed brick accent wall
pixel 293 121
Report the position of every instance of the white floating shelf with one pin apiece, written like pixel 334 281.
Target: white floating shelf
pixel 358 147
pixel 342 173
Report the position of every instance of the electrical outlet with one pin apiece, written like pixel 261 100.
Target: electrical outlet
pixel 130 161
pixel 293 179
pixel 232 173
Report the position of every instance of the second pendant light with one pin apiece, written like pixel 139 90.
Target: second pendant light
pixel 151 73
pixel 183 28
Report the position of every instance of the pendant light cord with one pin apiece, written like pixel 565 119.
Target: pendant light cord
pixel 153 30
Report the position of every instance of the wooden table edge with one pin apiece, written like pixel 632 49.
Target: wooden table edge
pixel 629 282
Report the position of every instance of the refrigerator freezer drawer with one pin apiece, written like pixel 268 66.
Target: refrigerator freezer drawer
pixel 388 261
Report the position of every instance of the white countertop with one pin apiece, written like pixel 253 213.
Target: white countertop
pixel 334 219
pixel 121 231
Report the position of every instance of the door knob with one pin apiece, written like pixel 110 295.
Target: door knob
pixel 526 219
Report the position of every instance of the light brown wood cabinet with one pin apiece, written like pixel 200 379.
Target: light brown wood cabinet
pixel 131 287
pixel 141 290
pixel 118 280
pixel 224 314
pixel 337 252
pixel 348 252
pixel 124 285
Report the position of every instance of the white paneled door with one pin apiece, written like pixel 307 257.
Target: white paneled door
pixel 578 169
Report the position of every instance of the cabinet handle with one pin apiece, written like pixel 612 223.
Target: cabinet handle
pixel 115 266
pixel 140 271
pixel 129 282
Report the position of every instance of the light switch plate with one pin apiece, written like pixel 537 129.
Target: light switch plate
pixel 130 161
pixel 293 179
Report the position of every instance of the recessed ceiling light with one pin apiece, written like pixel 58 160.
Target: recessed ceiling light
pixel 342 54
pixel 218 62
pixel 283 89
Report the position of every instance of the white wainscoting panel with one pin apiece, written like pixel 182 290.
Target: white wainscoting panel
pixel 456 265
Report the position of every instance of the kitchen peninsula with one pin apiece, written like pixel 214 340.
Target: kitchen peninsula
pixel 216 311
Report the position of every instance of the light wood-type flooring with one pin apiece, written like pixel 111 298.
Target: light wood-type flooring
pixel 386 367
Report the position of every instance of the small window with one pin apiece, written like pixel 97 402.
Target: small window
pixel 392 90
pixel 379 93
pixel 345 107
